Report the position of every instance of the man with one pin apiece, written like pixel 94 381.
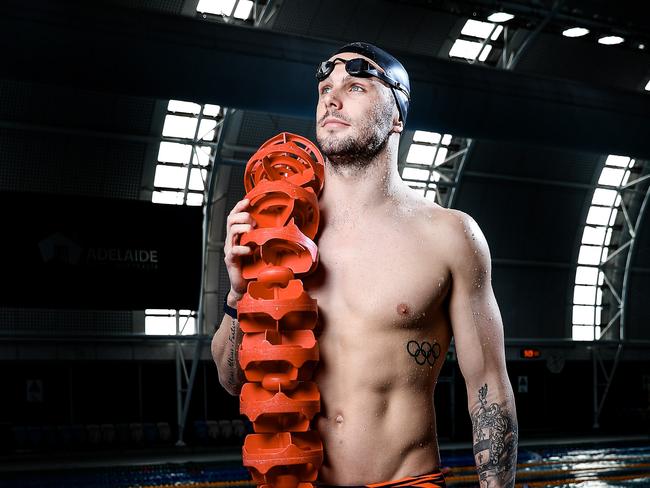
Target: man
pixel 398 276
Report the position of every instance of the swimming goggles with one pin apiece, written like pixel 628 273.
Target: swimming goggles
pixel 360 68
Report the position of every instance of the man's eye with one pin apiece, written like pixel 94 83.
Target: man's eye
pixel 357 88
pixel 325 90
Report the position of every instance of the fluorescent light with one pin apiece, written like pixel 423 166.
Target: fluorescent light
pixel 610 40
pixel 476 28
pixel 575 32
pixel 500 17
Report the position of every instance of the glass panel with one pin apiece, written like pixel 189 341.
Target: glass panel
pixel 584 295
pixel 186 107
pixel 211 110
pixel 485 53
pixel 172 197
pixel 206 129
pixel 202 155
pixel 608 237
pixel 612 218
pixel 476 28
pixel 441 156
pixel 497 33
pixel 154 325
pixel 195 199
pixel 614 160
pixel 420 154
pixel 424 136
pixel 171 152
pixel 467 49
pixel 244 9
pixel 170 176
pixel 594 235
pixel 583 333
pixel 178 126
pixel 598 215
pixel 589 255
pixel 586 276
pixel 446 139
pixel 431 195
pixel 604 197
pixel 599 296
pixel 583 315
pixel 626 177
pixel 611 176
pixel 217 7
pixel 197 177
pixel 604 254
pixel 415 174
pixel 159 311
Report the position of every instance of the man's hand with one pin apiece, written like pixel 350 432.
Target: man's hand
pixel 478 335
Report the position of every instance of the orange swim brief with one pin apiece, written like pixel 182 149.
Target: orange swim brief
pixel 435 479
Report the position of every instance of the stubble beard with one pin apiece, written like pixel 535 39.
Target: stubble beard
pixel 360 150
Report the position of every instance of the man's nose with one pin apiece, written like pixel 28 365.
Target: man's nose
pixel 332 99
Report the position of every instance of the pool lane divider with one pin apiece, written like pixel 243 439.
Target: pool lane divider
pixel 279 351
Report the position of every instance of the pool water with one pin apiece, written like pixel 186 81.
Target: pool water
pixel 592 466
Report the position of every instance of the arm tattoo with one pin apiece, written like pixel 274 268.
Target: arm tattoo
pixel 495 443
pixel 424 353
pixel 235 373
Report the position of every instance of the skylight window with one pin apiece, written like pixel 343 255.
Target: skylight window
pixel 424 136
pixel 179 126
pixel 170 176
pixel 415 174
pixel 470 50
pixel 611 176
pixel 500 17
pixel 185 107
pixel 169 322
pixel 225 8
pixel 420 154
pixel 647 85
pixel 482 30
pixel 610 40
pixel 575 32
pixel 595 249
pixel 185 152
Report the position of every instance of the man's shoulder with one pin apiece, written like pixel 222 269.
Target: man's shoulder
pixel 455 235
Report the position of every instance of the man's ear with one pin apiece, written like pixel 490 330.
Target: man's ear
pixel 398 125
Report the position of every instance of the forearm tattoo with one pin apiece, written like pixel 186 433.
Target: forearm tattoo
pixel 424 353
pixel 234 370
pixel 495 443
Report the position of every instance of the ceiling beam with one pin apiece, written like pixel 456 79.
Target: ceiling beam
pixel 103 48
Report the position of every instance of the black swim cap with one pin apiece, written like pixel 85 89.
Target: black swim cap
pixel 391 66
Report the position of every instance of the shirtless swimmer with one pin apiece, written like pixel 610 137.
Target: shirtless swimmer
pixel 398 276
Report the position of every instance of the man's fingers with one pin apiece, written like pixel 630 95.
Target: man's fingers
pixel 241 250
pixel 239 206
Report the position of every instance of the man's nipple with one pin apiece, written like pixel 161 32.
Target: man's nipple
pixel 339 419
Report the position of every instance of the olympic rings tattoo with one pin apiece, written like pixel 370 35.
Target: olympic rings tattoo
pixel 424 353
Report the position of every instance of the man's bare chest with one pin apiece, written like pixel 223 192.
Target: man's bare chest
pixel 381 277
